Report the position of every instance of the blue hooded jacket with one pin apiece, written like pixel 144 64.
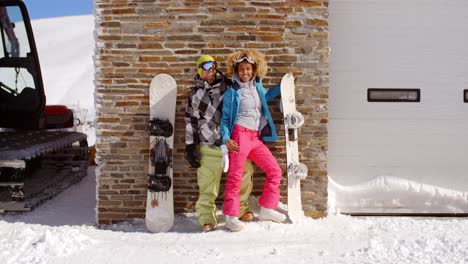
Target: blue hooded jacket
pixel 231 102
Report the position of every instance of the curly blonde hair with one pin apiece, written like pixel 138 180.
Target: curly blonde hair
pixel 261 66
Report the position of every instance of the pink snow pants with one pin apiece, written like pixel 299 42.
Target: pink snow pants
pixel 250 146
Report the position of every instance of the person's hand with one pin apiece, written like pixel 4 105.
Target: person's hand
pixel 192 155
pixel 225 160
pixel 232 146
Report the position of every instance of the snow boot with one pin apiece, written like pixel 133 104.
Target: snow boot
pixel 233 223
pixel 267 214
pixel 207 228
pixel 247 217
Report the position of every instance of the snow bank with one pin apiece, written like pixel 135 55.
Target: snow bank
pixel 395 195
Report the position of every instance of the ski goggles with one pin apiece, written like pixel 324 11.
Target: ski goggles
pixel 244 57
pixel 209 65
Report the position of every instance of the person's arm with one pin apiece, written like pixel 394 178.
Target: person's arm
pixel 226 116
pixel 191 122
pixel 226 121
pixel 270 94
pixel 191 134
pixel 273 93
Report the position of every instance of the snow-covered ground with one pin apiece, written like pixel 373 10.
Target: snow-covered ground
pixel 62 230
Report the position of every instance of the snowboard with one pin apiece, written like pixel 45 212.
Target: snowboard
pixel 295 170
pixel 160 200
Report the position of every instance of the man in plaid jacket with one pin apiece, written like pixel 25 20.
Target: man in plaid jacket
pixel 203 142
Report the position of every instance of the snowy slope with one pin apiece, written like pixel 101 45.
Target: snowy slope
pixel 66 48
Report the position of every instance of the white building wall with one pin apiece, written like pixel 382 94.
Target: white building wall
pixel 398 44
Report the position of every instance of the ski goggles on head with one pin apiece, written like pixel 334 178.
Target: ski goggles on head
pixel 246 58
pixel 209 65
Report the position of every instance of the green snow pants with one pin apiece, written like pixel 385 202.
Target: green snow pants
pixel 209 179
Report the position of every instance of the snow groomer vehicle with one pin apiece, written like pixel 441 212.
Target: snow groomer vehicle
pixel 40 154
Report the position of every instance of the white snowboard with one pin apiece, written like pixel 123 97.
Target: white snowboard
pixel 295 169
pixel 160 205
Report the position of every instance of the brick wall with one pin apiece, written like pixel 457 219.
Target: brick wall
pixel 137 39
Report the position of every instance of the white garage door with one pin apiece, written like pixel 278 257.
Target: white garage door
pixel 398 157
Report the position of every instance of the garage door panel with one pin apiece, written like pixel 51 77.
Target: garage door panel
pixel 377 151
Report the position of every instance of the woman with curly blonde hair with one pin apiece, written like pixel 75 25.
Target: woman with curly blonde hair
pixel 261 66
pixel 245 124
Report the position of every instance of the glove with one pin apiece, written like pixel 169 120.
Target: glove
pixel 225 161
pixel 192 155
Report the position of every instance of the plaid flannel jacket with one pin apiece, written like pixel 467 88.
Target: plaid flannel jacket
pixel 203 113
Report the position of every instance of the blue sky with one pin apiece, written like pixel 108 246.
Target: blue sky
pixel 55 8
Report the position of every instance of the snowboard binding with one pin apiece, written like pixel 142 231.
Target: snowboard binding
pixel 160 158
pixel 299 170
pixel 159 183
pixel 160 127
pixel 294 120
